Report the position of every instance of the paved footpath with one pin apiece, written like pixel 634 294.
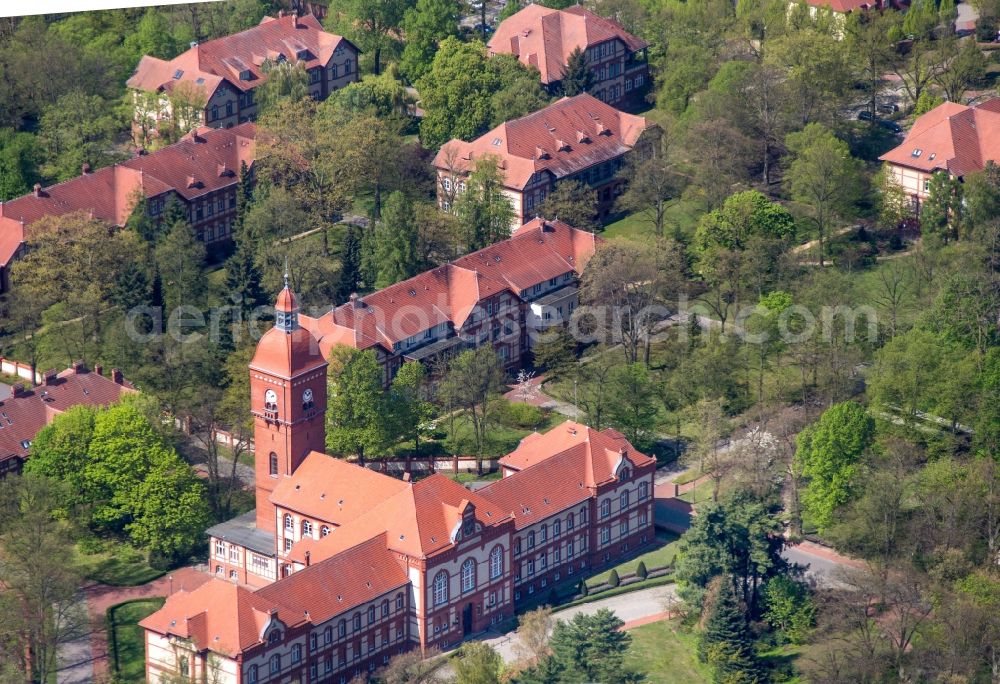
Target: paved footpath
pixel 635 608
pixel 86 659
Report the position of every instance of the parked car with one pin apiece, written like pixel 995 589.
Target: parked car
pixel 891 125
pixel 865 115
pixel 888 107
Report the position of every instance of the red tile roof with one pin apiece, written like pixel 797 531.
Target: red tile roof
pixel 418 520
pixel 24 414
pixel 355 576
pixel 602 450
pixel 208 64
pixel 951 137
pixel 220 616
pixel 203 161
pixel 287 353
pixel 538 251
pixel 570 135
pixel 544 38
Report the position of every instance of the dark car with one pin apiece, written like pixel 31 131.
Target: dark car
pixel 865 115
pixel 891 125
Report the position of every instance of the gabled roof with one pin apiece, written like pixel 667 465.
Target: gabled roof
pixel 538 251
pixel 951 137
pixel 333 490
pixel 570 135
pixel 219 616
pixel 23 415
pixel 330 587
pixel 602 451
pixel 210 157
pixel 544 38
pixel 230 619
pixel 206 65
pixel 418 520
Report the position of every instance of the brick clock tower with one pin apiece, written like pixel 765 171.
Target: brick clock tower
pixel 288 402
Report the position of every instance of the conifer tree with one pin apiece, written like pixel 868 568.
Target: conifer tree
pixel 727 643
pixel 577 77
pixel 244 195
pixel 395 242
pixel 350 264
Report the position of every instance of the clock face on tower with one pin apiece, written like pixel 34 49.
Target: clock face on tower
pixel 270 399
pixel 307 396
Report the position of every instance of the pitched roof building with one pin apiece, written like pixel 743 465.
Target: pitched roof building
pixel 341 567
pixel 545 38
pixel 577 138
pixel 28 410
pixel 224 72
pixel 953 138
pixel 201 171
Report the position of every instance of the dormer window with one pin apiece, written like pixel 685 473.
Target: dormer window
pixel 245 75
pixel 302 54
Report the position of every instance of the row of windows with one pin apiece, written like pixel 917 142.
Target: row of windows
pixel 543 531
pixel 289 521
pixel 275 662
pixel 541 561
pixel 467 575
pixel 603 50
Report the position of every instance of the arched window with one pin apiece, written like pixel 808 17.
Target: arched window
pixel 399 602
pixel 623 474
pixel 385 607
pixel 441 588
pixel 342 629
pixel 252 674
pixel 643 490
pixel 307 528
pixel 273 460
pixel 606 508
pixel 545 532
pixel 371 614
pixel 517 547
pixel 296 653
pixel 468 575
pixel 274 637
pixel 323 531
pixel 569 522
pixel 531 539
pixel 556 528
pixel 496 562
pixel 289 524
pixel 356 622
pixel 623 500
pixel 275 663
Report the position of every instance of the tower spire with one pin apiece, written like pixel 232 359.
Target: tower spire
pixel 286 272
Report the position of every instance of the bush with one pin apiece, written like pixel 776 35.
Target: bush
pixel 613 580
pixel 582 588
pixel 641 571
pixel 986 29
pixel 516 414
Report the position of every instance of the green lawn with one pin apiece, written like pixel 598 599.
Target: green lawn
pixel 656 558
pixel 455 436
pixel 126 640
pixel 117 564
pixel 464 478
pixel 700 494
pixel 666 653
pixel 682 216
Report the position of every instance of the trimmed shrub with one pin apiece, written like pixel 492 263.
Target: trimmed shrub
pixel 613 580
pixel 582 589
pixel 641 571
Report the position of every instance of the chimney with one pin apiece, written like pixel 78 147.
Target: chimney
pixel 18 389
pixel 37 190
pixel 85 168
pixel 79 367
pixel 356 301
pixel 49 377
pixel 281 14
pixel 406 477
pixel 117 377
pixel 548 227
pixel 99 369
pixel 308 555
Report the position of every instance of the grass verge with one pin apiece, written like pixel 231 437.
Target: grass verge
pixel 116 564
pixel 125 637
pixel 667 653
pixel 656 558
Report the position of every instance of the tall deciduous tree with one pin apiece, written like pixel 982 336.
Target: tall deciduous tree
pixel 78 129
pixel 19 157
pixel 425 25
pixel 477 663
pixel 572 202
pixel 484 210
pixel 285 81
pixel 372 25
pixel 941 213
pixel 357 405
pixel 472 379
pixel 828 454
pixel 824 176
